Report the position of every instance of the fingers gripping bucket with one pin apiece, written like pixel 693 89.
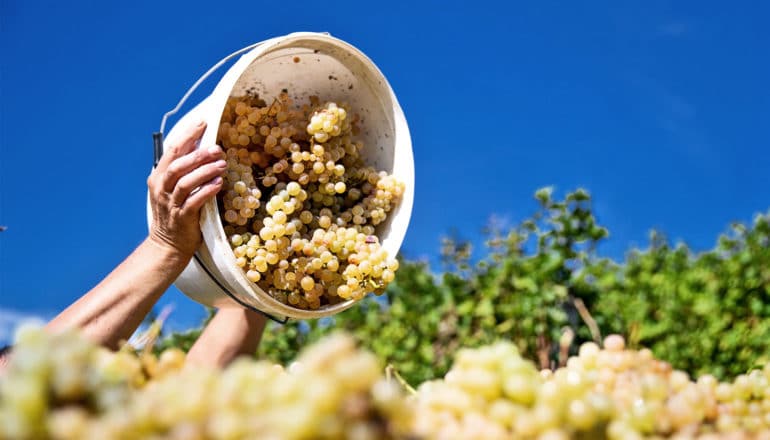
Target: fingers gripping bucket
pixel 305 64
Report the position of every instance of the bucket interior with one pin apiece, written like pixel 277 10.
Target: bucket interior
pixel 332 74
pixel 334 71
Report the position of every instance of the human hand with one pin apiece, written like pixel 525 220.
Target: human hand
pixel 183 181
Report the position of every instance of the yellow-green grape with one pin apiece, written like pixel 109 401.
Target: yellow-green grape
pixel 335 390
pixel 610 393
pixel 299 210
pixel 328 122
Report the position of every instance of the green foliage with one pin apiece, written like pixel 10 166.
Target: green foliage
pixel 544 286
pixel 707 312
pixel 406 329
pixel 183 340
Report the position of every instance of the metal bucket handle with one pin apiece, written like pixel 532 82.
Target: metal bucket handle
pixel 157 137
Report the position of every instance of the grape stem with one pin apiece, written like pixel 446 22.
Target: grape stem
pixel 146 341
pixel 391 372
pixel 588 319
pixel 565 342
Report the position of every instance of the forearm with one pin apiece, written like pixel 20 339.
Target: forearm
pixel 110 312
pixel 231 333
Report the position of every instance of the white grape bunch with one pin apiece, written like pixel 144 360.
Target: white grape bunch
pixel 61 386
pixel 299 205
pixel 328 122
pixel 611 393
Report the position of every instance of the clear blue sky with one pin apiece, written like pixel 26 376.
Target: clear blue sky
pixel 660 109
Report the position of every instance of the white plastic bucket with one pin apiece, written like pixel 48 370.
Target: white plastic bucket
pixel 305 64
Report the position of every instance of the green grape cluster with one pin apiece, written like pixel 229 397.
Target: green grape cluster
pixel 56 382
pixel 60 386
pixel 50 376
pixel 299 205
pixel 609 393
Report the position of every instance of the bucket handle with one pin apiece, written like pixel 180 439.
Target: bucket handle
pixel 157 140
pixel 157 137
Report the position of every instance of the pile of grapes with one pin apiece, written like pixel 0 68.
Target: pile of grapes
pixel 299 205
pixel 61 387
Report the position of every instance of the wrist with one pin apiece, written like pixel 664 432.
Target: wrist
pixel 168 252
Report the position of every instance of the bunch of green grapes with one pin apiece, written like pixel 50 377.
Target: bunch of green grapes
pixel 55 378
pixel 610 393
pixel 55 383
pixel 61 387
pixel 299 205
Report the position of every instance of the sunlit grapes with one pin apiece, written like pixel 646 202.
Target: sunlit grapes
pixel 609 393
pixel 299 205
pixel 60 386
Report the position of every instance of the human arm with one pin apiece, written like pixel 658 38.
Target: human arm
pixel 110 312
pixel 183 181
pixel 232 332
